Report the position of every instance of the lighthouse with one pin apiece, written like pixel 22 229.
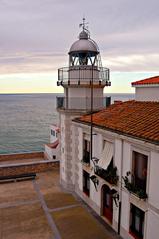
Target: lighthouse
pixel 83 82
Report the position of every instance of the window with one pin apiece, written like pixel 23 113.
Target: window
pixel 86 151
pixel 52 132
pixel 86 183
pixel 54 156
pixel 136 222
pixel 139 170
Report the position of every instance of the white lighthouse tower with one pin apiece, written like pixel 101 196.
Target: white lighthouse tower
pixel 83 82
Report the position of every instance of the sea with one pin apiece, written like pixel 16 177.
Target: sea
pixel 25 120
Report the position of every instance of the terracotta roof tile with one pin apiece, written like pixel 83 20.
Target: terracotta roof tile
pixel 133 118
pixel 148 81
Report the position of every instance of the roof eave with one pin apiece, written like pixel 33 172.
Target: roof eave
pixel 118 132
pixel 146 85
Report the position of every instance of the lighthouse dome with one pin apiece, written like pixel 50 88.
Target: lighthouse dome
pixel 84 44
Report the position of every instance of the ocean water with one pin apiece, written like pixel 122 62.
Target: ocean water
pixel 25 120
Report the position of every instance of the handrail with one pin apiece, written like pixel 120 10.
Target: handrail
pixel 83 73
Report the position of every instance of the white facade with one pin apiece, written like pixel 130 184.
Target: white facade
pixel 122 157
pixel 147 93
pixel 80 98
pixel 52 149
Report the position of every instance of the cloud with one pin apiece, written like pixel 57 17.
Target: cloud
pixel 36 35
pixel 30 63
pixel 133 63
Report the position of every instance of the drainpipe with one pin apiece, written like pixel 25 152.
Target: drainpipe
pixel 91 139
pixel 120 189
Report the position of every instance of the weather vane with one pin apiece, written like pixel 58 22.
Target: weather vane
pixel 84 24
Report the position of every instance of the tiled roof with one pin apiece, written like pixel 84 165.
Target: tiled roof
pixel 133 118
pixel 148 81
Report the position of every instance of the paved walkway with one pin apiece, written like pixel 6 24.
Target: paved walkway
pixel 40 209
pixel 50 220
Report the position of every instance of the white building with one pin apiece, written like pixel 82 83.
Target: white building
pixel 52 149
pixel 125 145
pixel 147 89
pixel 111 158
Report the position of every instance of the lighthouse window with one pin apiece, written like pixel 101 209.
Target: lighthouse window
pixel 83 59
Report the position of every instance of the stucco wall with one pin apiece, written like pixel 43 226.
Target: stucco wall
pixel 118 155
pixel 79 98
pixel 50 152
pixel 147 93
pixel 62 149
pixel 153 180
pixel 73 153
pixel 125 211
pixel 126 158
pixel 80 156
pixel 152 231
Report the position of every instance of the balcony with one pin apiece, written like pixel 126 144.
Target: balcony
pixel 80 103
pixel 138 188
pixel 109 174
pixel 83 75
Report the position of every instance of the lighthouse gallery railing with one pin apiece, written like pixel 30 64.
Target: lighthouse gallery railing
pixel 82 75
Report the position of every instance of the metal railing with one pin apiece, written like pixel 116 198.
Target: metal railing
pixel 83 75
pixel 80 103
pixel 109 174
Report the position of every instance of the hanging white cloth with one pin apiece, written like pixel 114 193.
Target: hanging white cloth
pixel 106 155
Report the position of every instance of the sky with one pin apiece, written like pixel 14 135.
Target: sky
pixel 35 37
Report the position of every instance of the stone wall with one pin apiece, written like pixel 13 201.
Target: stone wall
pixel 6 157
pixel 18 169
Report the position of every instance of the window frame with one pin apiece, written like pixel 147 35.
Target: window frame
pixel 137 234
pixel 86 153
pixel 86 185
pixel 146 152
pixel 133 166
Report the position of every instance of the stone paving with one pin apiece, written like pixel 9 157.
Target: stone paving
pixel 40 209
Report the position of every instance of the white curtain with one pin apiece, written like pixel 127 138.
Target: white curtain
pixel 106 155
